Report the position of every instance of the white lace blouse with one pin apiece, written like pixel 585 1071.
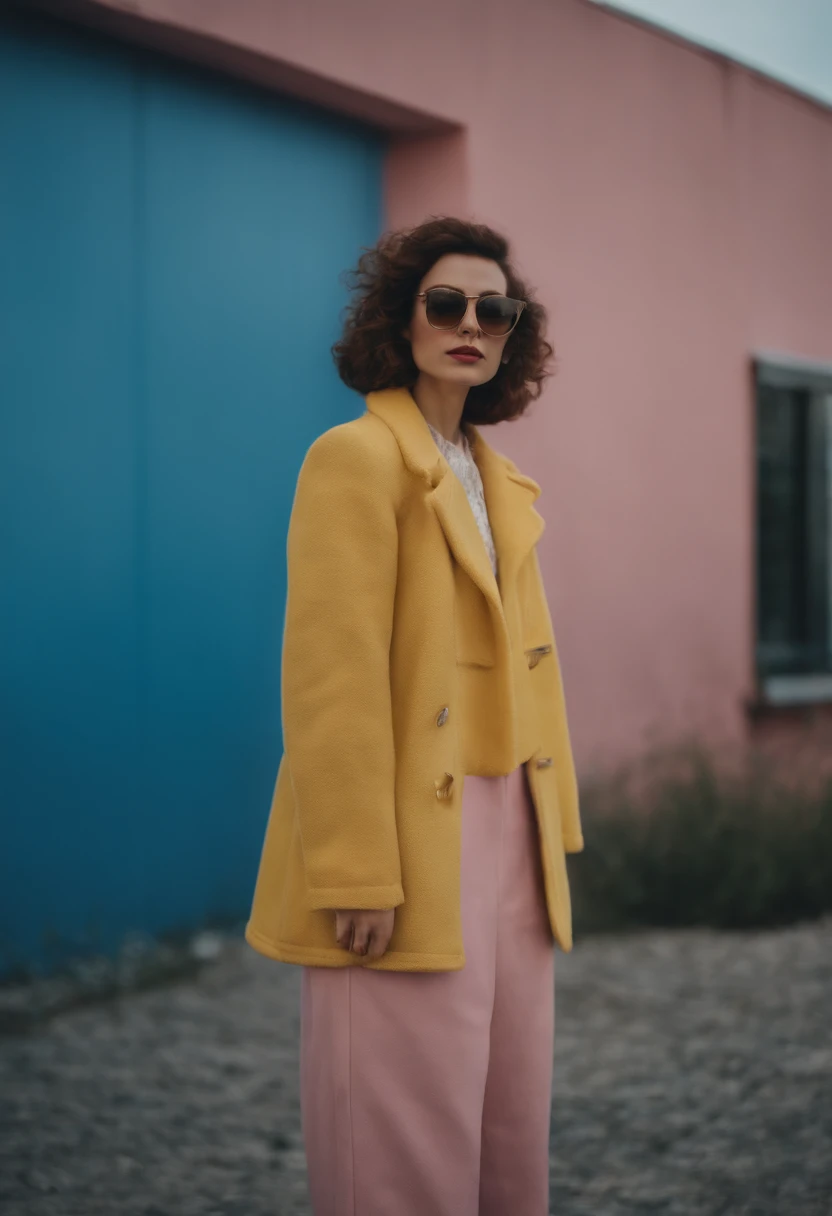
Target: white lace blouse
pixel 462 463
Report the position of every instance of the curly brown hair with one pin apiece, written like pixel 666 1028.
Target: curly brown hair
pixel 373 353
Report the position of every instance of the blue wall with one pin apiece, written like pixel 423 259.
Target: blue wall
pixel 170 246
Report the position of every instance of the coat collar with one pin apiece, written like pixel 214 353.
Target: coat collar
pixel 515 524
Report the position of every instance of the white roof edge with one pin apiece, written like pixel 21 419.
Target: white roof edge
pixel 701 42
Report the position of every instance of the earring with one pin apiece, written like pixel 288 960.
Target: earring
pixel 505 358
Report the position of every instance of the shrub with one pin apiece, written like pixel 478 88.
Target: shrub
pixel 682 840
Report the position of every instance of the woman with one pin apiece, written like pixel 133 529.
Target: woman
pixel 414 857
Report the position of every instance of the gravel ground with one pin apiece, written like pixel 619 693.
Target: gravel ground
pixel 693 1076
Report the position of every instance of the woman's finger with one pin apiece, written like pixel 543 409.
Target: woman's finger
pixel 377 946
pixel 343 935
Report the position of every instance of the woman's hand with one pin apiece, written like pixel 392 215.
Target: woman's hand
pixel 363 932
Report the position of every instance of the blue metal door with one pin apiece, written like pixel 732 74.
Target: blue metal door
pixel 170 251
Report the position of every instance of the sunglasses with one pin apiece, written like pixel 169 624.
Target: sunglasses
pixel 446 306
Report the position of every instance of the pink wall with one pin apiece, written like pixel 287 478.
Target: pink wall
pixel 673 211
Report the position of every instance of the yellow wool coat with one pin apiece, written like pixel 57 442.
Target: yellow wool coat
pixel 406 666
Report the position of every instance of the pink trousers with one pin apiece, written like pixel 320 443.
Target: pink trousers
pixel 429 1093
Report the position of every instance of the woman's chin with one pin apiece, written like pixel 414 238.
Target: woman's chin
pixel 459 373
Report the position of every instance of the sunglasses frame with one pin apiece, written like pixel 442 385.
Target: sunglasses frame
pixel 423 295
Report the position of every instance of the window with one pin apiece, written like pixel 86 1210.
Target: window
pixel 794 530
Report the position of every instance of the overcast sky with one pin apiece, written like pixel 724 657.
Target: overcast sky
pixel 789 39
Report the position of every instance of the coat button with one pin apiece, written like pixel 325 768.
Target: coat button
pixel 544 762
pixel 536 653
pixel 442 716
pixel 444 787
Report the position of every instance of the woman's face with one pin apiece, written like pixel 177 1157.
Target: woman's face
pixel 431 347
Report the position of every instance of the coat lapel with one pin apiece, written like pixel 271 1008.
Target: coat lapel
pixel 515 524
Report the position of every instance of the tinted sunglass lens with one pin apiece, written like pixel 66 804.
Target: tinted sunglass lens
pixel 496 315
pixel 444 308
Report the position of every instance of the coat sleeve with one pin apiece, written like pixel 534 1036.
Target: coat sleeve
pixel 573 840
pixel 342 556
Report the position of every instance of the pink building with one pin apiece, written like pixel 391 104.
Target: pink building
pixel 673 211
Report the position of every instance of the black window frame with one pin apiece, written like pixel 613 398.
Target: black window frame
pixel 793 530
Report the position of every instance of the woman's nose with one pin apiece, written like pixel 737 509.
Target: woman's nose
pixel 469 323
